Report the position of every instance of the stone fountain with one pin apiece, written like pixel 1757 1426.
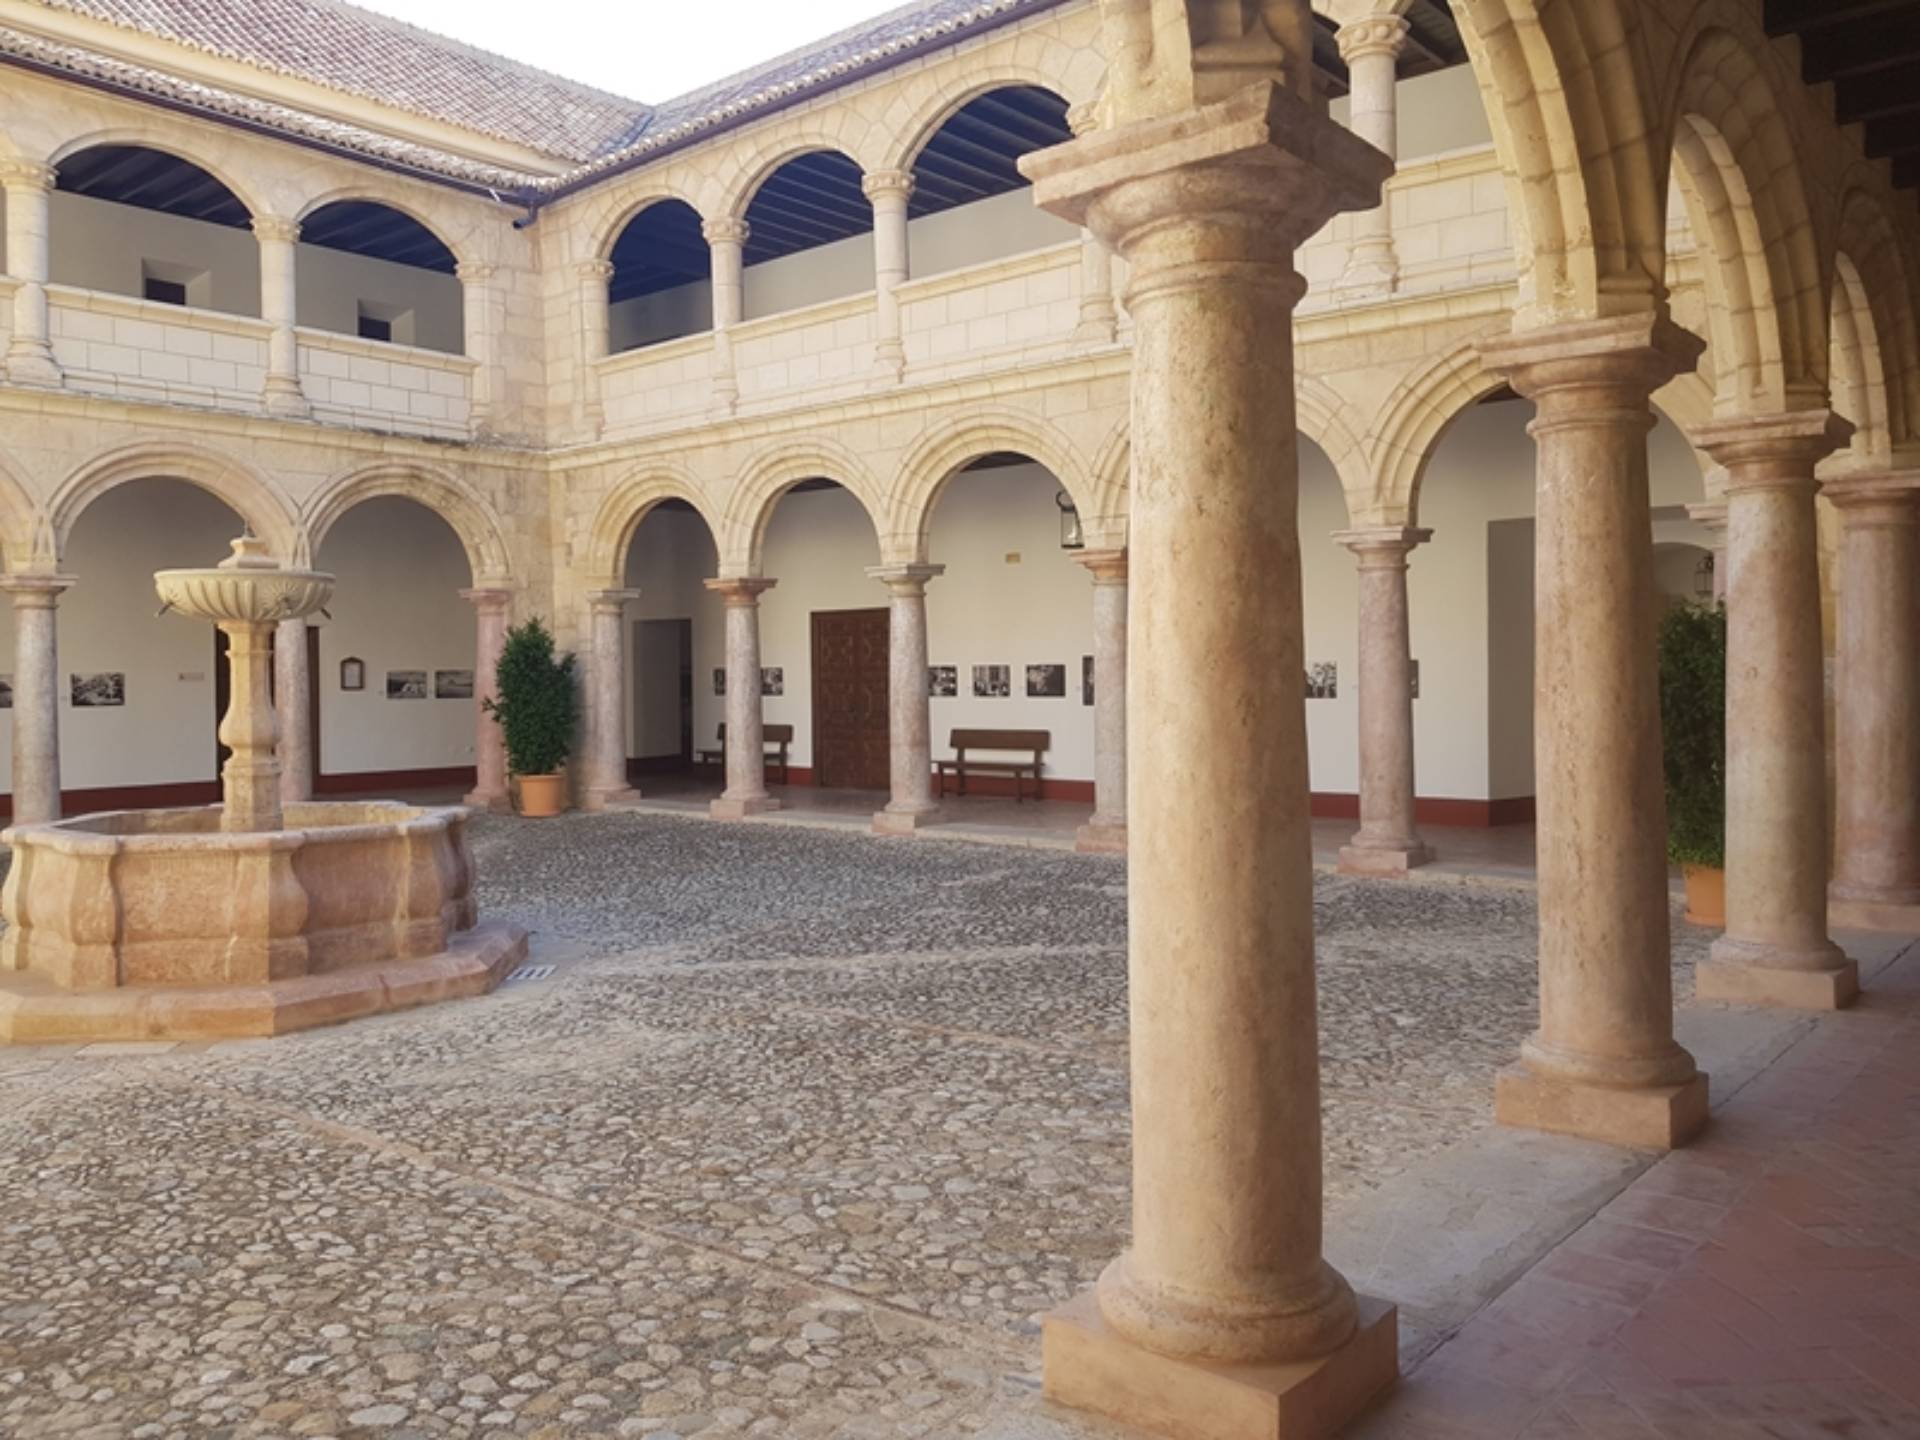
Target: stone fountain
pixel 248 917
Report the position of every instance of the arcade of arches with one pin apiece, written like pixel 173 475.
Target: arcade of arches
pixel 1312 417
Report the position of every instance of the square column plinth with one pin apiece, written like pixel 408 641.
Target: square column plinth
pixel 1090 1367
pixel 1656 1117
pixel 1831 988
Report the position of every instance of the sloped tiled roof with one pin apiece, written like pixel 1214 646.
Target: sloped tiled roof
pixel 345 48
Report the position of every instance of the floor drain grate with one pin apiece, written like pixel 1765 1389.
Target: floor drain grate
pixel 530 972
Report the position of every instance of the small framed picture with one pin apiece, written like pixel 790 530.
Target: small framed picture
pixel 943 681
pixel 992 682
pixel 406 684
pixel 92 692
pixel 1046 682
pixel 1086 679
pixel 353 673
pixel 773 680
pixel 453 684
pixel 1323 680
pixel 719 679
pixel 6 692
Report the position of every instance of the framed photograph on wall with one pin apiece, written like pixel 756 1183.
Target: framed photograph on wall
pixel 353 673
pixel 6 692
pixel 1323 680
pixel 773 680
pixel 943 681
pixel 719 679
pixel 406 684
pixel 1046 682
pixel 453 684
pixel 93 692
pixel 992 682
pixel 1086 679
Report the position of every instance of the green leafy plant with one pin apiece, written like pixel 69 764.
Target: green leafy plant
pixel 537 704
pixel 1693 727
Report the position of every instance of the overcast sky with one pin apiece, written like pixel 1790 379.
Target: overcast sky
pixel 651 50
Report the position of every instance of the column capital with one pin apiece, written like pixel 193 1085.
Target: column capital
pixel 1108 567
pixel 26 175
pixel 474 272
pixel 1634 352
pixel 740 589
pixel 604 601
pixel 1382 544
pixel 1710 513
pixel 276 229
pixel 1376 35
pixel 488 597
pixel 878 184
pixel 910 579
pixel 36 591
pixel 726 230
pixel 595 269
pixel 1083 118
pixel 1888 496
pixel 1770 452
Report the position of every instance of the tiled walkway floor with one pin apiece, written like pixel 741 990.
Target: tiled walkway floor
pixel 1763 1283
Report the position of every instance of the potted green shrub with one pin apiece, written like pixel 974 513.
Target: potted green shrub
pixel 1693 728
pixel 536 708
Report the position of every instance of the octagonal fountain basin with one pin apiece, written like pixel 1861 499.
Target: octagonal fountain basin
pixel 159 924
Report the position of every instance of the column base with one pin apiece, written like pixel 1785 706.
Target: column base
pixel 1101 837
pixel 494 802
pixel 1737 972
pixel 288 404
pixel 1088 1366
pixel 1654 1117
pixel 1384 859
pixel 1899 914
pixel 1096 330
pixel 728 808
pixel 597 800
pixel 905 822
pixel 36 368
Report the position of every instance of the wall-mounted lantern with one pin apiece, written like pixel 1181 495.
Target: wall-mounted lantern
pixel 1071 535
pixel 1703 578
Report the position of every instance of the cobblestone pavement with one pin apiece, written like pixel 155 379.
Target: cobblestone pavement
pixel 798 1141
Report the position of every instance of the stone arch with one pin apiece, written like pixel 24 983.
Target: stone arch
pixel 1740 164
pixel 1858 374
pixel 609 219
pixel 1869 241
pixel 257 503
pixel 373 193
pixel 910 129
pixel 941 454
pixel 1412 421
pixel 629 503
pixel 1322 417
pixel 472 519
pixel 742 531
pixel 243 191
pixel 732 192
pixel 1566 85
pixel 26 538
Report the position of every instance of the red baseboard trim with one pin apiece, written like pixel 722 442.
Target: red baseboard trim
pixel 130 797
pixel 1434 810
pixel 1078 791
pixel 366 782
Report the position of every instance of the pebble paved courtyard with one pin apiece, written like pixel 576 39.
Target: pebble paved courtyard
pixel 799 1138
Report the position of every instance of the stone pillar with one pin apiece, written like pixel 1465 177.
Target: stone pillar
pixel 36 695
pixel 1711 515
pixel 595 275
pixel 477 310
pixel 910 804
pixel 30 350
pixel 293 704
pixel 1371 48
pixel 1099 316
pixel 281 392
pixel 746 792
pixel 1106 832
pixel 491 609
pixel 1876 869
pixel 1603 1063
pixel 726 246
pixel 250 780
pixel 889 190
pixel 1224 1304
pixel 1775 950
pixel 1387 842
pixel 606 778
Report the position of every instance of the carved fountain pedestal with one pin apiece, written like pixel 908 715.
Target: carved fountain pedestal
pixel 241 919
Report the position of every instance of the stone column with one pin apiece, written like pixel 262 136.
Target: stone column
pixel 36 695
pixel 1387 842
pixel 30 350
pixel 1775 950
pixel 1099 316
pixel 281 392
pixel 250 780
pixel 889 190
pixel 746 792
pixel 1711 515
pixel 1371 48
pixel 606 778
pixel 1224 1304
pixel 726 246
pixel 595 275
pixel 477 306
pixel 491 610
pixel 1603 1063
pixel 911 804
pixel 293 704
pixel 1106 832
pixel 1876 869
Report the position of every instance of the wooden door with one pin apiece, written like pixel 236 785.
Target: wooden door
pixel 850 699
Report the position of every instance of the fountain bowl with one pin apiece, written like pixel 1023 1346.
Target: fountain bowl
pixel 159 924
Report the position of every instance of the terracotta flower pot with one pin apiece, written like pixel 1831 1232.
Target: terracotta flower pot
pixel 1706 895
pixel 543 796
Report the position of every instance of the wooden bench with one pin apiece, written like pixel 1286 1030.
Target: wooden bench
pixel 1000 741
pixel 778 736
